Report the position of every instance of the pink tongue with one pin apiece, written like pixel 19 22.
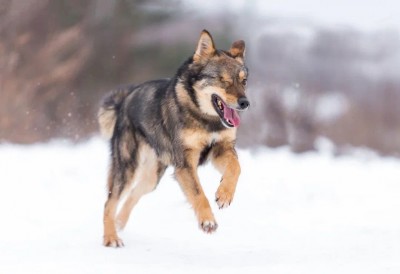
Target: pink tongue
pixel 231 116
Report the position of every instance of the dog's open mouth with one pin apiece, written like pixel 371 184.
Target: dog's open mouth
pixel 229 116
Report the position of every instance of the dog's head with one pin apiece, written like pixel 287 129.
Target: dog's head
pixel 221 80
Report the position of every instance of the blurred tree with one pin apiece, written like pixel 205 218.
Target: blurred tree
pixel 61 56
pixel 58 58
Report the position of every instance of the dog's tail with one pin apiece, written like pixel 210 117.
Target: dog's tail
pixel 107 115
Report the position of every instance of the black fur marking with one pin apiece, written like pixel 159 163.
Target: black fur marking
pixel 190 76
pixel 227 53
pixel 122 167
pixel 213 125
pixel 160 172
pixel 204 154
pixel 188 86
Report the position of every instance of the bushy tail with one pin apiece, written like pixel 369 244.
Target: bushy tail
pixel 107 114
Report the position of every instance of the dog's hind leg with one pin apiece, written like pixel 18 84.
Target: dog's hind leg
pixel 117 186
pixel 121 175
pixel 148 174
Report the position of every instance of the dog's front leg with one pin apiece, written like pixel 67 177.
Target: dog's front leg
pixel 225 159
pixel 189 182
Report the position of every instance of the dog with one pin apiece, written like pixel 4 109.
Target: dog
pixel 181 122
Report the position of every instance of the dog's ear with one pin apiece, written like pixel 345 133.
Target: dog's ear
pixel 205 47
pixel 237 50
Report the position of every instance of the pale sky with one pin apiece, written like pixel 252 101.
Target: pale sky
pixel 365 15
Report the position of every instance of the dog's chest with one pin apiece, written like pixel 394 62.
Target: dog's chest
pixel 197 139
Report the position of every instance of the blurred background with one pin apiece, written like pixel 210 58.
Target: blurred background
pixel 317 70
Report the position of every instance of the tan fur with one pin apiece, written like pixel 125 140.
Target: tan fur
pixel 238 50
pixel 125 146
pixel 228 165
pixel 205 47
pixel 242 75
pixel 110 233
pixel 182 95
pixel 204 95
pixel 110 210
pixel 165 159
pixel 194 193
pixel 226 78
pixel 145 181
pixel 107 120
pixel 196 138
pixel 231 100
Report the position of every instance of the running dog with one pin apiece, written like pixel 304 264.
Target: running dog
pixel 181 122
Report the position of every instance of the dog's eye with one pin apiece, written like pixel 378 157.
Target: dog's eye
pixel 244 82
pixel 206 76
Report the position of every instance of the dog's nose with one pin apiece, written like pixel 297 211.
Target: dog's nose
pixel 243 103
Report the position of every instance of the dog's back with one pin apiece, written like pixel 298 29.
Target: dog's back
pixel 136 101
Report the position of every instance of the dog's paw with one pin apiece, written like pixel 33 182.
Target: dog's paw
pixel 209 226
pixel 112 241
pixel 223 198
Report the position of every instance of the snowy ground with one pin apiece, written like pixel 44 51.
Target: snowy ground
pixel 292 214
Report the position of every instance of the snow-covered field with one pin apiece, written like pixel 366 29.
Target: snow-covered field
pixel 310 213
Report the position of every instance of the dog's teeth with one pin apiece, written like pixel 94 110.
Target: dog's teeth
pixel 219 104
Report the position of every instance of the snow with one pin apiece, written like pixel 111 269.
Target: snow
pixel 309 213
